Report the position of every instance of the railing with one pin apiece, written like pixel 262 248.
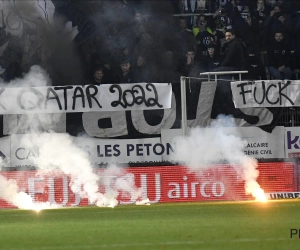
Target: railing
pixel 225 73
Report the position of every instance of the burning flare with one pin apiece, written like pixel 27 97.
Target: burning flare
pixel 259 195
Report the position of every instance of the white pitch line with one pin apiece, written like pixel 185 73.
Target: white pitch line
pixel 170 243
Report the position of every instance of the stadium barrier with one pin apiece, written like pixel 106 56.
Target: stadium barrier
pixel 165 184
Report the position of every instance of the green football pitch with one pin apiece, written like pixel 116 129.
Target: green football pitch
pixel 214 225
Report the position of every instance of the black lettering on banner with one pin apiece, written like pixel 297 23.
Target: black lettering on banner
pixel 17 154
pixel 243 92
pixel 126 103
pixel 264 93
pixel 281 89
pixel 80 95
pixel 91 96
pixel 117 150
pixel 1 91
pixel 139 149
pixel 147 145
pixel 107 150
pixel 130 148
pixel 37 93
pixel 267 92
pixel 65 88
pixel 157 152
pixel 139 99
pixel 55 96
pixel 152 101
pixel 112 90
pixel 123 101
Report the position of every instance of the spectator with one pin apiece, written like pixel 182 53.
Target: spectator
pixel 246 28
pixel 102 61
pixel 184 38
pixel 221 20
pixel 279 58
pixel 254 66
pixel 189 6
pixel 143 70
pixel 189 67
pixel 271 3
pixel 140 71
pixel 206 34
pixel 234 7
pixel 169 68
pixel 213 59
pixel 269 26
pixel 260 12
pixel 98 76
pixel 124 72
pixel 220 4
pixel 234 55
pixel 282 22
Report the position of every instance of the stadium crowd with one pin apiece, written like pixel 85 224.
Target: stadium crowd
pixel 133 44
pixel 259 36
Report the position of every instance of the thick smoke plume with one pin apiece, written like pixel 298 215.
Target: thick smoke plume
pixel 9 191
pixel 59 153
pixel 218 143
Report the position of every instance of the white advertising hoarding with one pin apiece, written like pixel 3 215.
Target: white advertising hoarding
pixel 258 144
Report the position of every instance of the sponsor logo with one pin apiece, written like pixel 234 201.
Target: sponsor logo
pixel 283 195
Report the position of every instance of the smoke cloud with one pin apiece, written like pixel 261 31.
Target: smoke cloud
pixel 59 154
pixel 218 143
pixel 9 191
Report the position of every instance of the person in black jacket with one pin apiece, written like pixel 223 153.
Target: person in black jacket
pixel 247 29
pixel 234 54
pixel 279 58
pixel 213 59
pixel 123 73
pixel 256 69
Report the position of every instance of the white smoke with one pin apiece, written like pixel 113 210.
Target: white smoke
pixel 218 143
pixel 58 152
pixel 36 77
pixel 9 191
pixel 117 181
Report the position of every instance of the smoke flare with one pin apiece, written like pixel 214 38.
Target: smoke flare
pixel 215 144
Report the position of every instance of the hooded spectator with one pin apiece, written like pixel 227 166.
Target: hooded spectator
pixel 254 66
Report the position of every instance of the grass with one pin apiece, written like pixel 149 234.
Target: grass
pixel 214 225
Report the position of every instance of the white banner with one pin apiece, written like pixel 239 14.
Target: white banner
pixel 66 99
pixel 273 93
pixel 259 144
pixel 100 151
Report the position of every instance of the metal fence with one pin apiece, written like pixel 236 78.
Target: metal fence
pixel 290 117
